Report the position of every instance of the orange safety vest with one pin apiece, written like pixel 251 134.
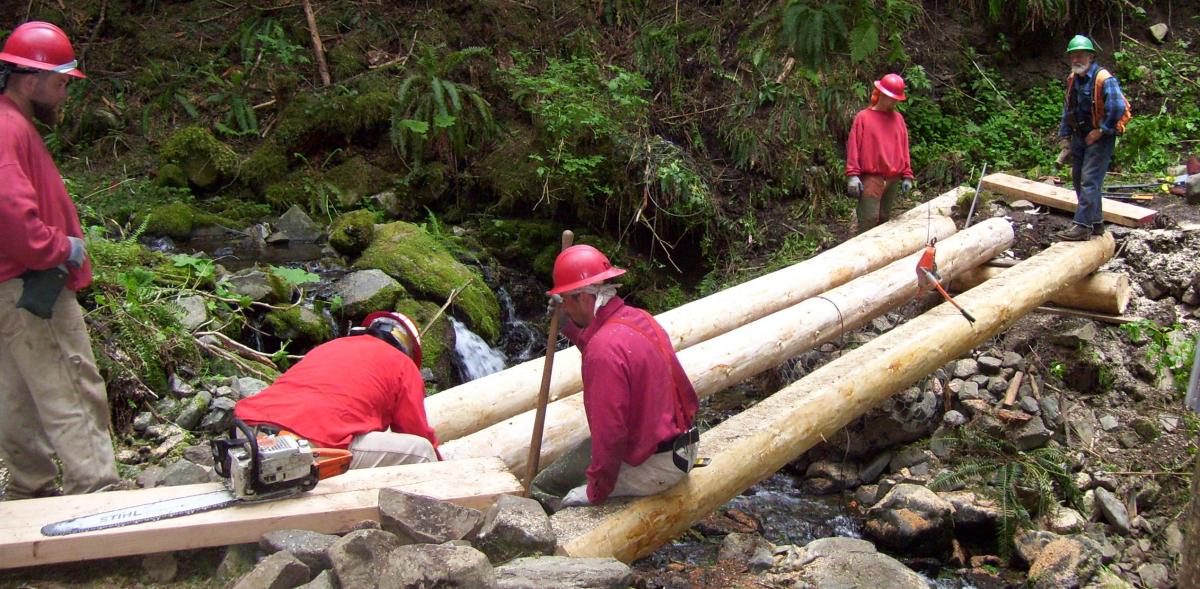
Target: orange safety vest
pixel 1102 75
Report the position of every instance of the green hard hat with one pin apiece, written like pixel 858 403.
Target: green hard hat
pixel 1080 43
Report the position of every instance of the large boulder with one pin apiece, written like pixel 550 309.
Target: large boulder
pixel 351 233
pixel 366 291
pixel 205 160
pixel 1065 562
pixel 359 557
pixel 838 563
pixel 445 565
pixel 562 572
pixel 312 548
pixel 295 225
pixel 300 324
pixel 278 571
pixel 913 519
pixel 417 519
pixel 427 268
pixel 515 527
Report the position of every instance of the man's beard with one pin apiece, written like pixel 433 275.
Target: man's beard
pixel 1080 70
pixel 48 114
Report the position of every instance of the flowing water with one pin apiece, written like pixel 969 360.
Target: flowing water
pixel 519 340
pixel 472 356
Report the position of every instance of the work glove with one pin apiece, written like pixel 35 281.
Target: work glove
pixel 906 186
pixel 854 187
pixel 554 304
pixel 78 252
pixel 575 498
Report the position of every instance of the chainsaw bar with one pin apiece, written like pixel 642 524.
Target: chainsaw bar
pixel 138 514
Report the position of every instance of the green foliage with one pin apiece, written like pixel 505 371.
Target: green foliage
pixel 814 30
pixel 1170 350
pixel 322 120
pixel 434 111
pixel 294 276
pixel 1162 83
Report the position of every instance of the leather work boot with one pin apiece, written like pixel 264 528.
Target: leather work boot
pixel 1098 229
pixel 1075 233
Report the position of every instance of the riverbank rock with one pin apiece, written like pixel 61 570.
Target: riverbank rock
pixel 182 472
pixel 312 548
pixel 351 233
pixel 417 519
pixel 838 563
pixel 366 291
pixel 1065 562
pixel 1113 510
pixel 194 411
pixel 826 477
pixel 295 225
pixel 278 571
pixel 515 527
pixel 746 551
pixel 972 513
pixel 424 565
pixel 562 572
pixel 358 557
pixel 913 519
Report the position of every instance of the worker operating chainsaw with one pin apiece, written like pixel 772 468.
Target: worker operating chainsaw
pixel 349 392
pixel 638 400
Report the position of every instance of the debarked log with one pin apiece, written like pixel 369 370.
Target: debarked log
pixel 1102 292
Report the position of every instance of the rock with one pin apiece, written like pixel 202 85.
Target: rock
pixel 1085 336
pixel 238 560
pixel 1012 359
pixel 143 421
pixel 417 519
pixel 971 392
pixel 907 457
pixel 871 470
pixel 160 567
pixel 1029 544
pixel 192 312
pixel 565 573
pixel 201 455
pixel 972 513
pixel 953 418
pixel 739 549
pixel 1021 205
pixel 220 416
pixel 351 233
pixel 183 472
pixel 246 386
pixel 1173 540
pixel 838 563
pixel 295 225
pixel 325 580
pixel 943 442
pixel 278 571
pixel 1102 478
pixel 1064 562
pixel 515 527
pixel 1051 414
pixel 179 387
pixel 1158 32
pixel 1109 423
pixel 1128 440
pixel 966 368
pixel 1154 576
pixel 1065 520
pixel 366 291
pixel 881 324
pixel 1030 435
pixel 990 365
pixel 359 557
pixel 1029 405
pixel 997 386
pixel 830 476
pixel 1113 510
pixel 1169 423
pixel 424 565
pixel 1153 290
pixel 194 411
pixel 310 547
pixel 251 282
pixel 913 519
pixel 866 495
pixel 1145 429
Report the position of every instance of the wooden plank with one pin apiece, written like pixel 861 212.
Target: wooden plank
pixel 334 506
pixel 752 445
pixel 1115 211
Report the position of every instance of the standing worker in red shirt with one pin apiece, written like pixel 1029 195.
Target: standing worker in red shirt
pixel 52 398
pixel 877 160
pixel 639 401
pixel 347 393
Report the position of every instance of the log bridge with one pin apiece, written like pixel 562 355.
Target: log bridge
pixel 723 339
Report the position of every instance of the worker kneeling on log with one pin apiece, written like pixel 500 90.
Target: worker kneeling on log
pixel 639 401
pixel 348 392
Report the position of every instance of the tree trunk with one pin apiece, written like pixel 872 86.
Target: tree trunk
pixel 1102 292
pixel 477 404
pixel 752 445
pixel 763 344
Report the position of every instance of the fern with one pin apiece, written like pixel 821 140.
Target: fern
pixel 814 29
pixel 430 109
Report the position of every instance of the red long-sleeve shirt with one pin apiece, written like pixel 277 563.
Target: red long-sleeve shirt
pixel 36 214
pixel 878 145
pixel 343 388
pixel 634 395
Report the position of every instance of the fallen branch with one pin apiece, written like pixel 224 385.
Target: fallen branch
pixel 318 47
pixel 255 368
pixel 450 299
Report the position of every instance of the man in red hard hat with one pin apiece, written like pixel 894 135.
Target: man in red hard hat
pixel 878 166
pixel 349 392
pixel 639 401
pixel 52 398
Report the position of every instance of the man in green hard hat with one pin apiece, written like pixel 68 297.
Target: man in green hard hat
pixel 1094 114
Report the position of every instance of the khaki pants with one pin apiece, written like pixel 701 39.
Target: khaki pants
pixel 389 449
pixel 52 400
pixel 657 474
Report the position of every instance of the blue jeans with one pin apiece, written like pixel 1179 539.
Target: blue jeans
pixel 1088 168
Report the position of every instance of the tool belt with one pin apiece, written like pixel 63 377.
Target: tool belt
pixel 675 446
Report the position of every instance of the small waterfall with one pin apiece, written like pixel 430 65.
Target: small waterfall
pixel 520 341
pixel 473 357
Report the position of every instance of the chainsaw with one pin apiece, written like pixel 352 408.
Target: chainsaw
pixel 928 277
pixel 258 466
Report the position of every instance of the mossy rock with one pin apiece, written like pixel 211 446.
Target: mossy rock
pixel 437 342
pixel 426 268
pixel 306 190
pixel 522 242
pixel 351 233
pixel 426 184
pixel 266 165
pixel 357 178
pixel 205 159
pixel 174 220
pixel 509 174
pixel 301 325
pixel 320 119
pixel 171 176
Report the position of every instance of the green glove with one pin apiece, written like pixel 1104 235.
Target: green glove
pixel 41 290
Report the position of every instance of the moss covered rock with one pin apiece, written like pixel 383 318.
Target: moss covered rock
pixel 306 190
pixel 301 325
pixel 351 233
pixel 320 119
pixel 523 243
pixel 174 220
pixel 508 173
pixel 205 160
pixel 366 291
pixel 171 176
pixel 437 342
pixel 266 166
pixel 357 178
pixel 425 267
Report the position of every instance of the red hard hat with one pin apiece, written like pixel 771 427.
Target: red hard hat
pixel 41 46
pixel 401 327
pixel 579 266
pixel 892 85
